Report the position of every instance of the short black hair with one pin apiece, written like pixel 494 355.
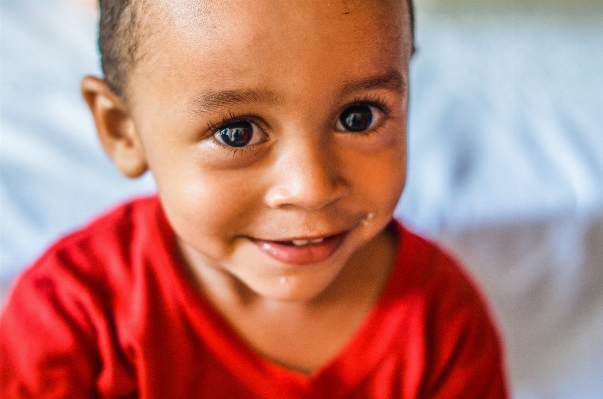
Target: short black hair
pixel 118 41
pixel 120 35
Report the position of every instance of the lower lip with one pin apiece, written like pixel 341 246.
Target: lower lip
pixel 301 255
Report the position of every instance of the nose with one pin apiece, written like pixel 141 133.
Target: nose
pixel 306 175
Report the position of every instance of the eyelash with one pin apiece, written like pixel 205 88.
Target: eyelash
pixel 227 120
pixel 372 100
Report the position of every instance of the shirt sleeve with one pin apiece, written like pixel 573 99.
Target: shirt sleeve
pixel 46 343
pixel 57 339
pixel 466 354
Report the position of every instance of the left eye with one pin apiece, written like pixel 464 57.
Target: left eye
pixel 239 134
pixel 357 118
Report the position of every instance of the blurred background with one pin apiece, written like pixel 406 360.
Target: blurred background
pixel 505 162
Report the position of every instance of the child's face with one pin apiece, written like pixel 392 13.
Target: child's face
pixel 269 121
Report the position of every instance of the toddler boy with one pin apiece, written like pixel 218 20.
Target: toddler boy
pixel 268 265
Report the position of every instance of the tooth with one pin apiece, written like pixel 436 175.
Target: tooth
pixel 316 241
pixel 299 243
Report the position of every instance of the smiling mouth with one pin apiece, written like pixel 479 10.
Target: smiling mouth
pixel 302 251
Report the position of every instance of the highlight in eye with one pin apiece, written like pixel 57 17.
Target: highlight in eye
pixel 358 118
pixel 238 134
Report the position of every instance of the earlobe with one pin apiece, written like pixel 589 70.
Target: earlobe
pixel 115 127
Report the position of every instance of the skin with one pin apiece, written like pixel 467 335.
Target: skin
pixel 291 68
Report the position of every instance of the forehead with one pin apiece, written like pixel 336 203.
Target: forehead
pixel 209 11
pixel 252 21
pixel 220 42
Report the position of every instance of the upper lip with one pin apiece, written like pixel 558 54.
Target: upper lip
pixel 315 230
pixel 303 238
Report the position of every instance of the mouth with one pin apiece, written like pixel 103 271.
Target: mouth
pixel 302 251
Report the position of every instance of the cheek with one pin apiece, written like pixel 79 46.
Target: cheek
pixel 387 183
pixel 207 208
pixel 380 177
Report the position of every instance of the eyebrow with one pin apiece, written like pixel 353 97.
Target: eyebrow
pixel 391 80
pixel 215 99
pixel 211 100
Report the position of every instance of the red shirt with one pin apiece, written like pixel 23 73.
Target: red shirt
pixel 108 312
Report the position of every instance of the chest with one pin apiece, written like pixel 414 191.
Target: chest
pixel 207 358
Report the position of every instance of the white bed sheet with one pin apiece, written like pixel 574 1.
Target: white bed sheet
pixel 505 167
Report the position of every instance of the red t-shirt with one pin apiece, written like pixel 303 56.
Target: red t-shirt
pixel 108 312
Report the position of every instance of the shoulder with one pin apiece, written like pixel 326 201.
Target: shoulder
pixel 434 276
pixel 60 317
pixel 59 320
pixel 459 335
pixel 92 258
pixel 116 226
pixel 114 232
pixel 429 268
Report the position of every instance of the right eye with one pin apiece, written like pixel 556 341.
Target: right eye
pixel 239 134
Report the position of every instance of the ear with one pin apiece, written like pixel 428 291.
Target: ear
pixel 115 127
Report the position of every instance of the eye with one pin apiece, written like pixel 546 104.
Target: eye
pixel 357 118
pixel 239 134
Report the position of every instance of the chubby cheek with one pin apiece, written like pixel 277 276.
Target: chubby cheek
pixel 384 187
pixel 379 175
pixel 208 209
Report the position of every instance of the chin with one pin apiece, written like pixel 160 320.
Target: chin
pixel 291 295
pixel 294 287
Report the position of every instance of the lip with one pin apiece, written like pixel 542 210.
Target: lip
pixel 286 252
